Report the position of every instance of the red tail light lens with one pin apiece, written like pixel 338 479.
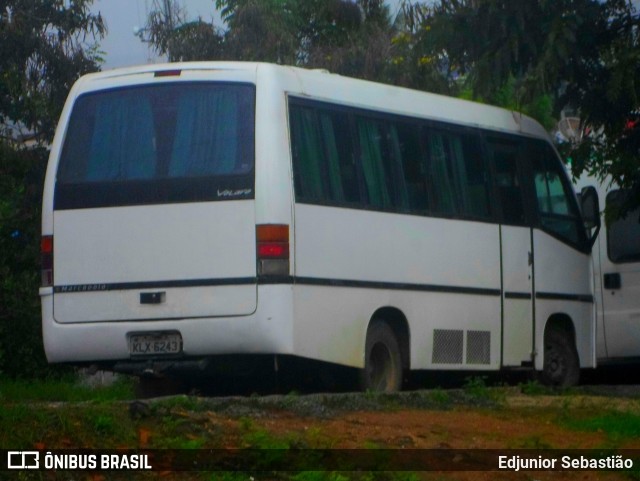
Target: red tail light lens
pixel 46 260
pixel 272 241
pixel 272 250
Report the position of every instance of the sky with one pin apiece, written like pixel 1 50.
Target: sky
pixel 122 48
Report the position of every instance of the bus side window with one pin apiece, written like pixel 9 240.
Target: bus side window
pixel 623 234
pixel 557 211
pixel 324 170
pixel 380 157
pixel 414 166
pixel 477 178
pixel 509 187
pixel 307 154
pixel 442 183
pixel 344 175
pixel 459 180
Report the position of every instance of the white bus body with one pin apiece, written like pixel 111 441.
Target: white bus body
pixel 616 274
pixel 201 209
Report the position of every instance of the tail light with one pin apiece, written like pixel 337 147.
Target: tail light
pixel 272 242
pixel 46 260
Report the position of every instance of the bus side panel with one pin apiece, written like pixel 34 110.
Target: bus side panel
pixel 331 324
pixel 563 286
pixel 443 275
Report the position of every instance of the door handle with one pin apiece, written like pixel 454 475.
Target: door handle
pixel 152 297
pixel 612 281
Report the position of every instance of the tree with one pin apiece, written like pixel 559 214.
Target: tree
pixel 350 37
pixel 43 50
pixel 538 57
pixel 582 54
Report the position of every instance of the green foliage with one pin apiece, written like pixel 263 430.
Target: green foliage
pixel 476 386
pixel 21 174
pixel 617 425
pixel 43 50
pixel 355 38
pixel 534 388
pixel 440 396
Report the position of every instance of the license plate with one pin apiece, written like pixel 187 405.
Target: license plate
pixel 161 344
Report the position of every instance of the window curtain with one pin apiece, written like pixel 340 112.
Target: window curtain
pixel 372 166
pixel 206 134
pixel 122 145
pixel 460 179
pixel 441 181
pixel 402 197
pixel 332 158
pixel 308 153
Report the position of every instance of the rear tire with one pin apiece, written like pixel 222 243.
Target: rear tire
pixel 561 363
pixel 382 363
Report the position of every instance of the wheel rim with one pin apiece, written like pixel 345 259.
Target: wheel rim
pixel 380 368
pixel 556 365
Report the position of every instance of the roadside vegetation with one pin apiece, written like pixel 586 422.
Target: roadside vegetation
pixel 61 414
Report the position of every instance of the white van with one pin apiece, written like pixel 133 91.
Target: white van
pixel 205 209
pixel 616 270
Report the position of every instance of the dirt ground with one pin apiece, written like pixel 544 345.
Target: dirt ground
pixel 492 419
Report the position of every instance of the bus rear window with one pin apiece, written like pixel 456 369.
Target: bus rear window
pixel 140 139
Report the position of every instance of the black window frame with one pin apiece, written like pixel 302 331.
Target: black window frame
pixel 424 126
pixel 516 144
pixel 159 190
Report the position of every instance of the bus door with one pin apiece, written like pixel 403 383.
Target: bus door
pixel 516 254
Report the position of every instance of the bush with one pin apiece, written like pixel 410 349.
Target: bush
pixel 21 180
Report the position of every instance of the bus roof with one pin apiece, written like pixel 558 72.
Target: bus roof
pixel 325 86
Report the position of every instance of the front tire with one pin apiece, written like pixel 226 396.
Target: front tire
pixel 561 363
pixel 382 363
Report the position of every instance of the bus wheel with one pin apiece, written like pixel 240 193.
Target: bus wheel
pixel 382 364
pixel 561 364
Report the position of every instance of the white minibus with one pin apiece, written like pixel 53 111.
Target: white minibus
pixel 200 210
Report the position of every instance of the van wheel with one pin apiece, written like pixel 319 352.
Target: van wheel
pixel 382 363
pixel 561 364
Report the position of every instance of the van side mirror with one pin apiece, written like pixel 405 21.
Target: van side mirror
pixel 590 206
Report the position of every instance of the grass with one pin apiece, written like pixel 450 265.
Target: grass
pixel 615 424
pixel 476 388
pixel 65 389
pixel 534 388
pixel 97 418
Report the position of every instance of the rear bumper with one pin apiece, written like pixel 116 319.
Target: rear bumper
pixel 269 330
